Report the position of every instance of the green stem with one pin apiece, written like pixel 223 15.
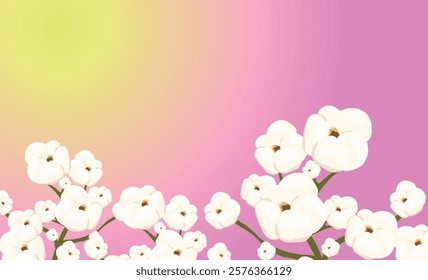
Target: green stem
pixel 86 237
pixel 278 251
pixel 397 217
pixel 180 232
pixel 340 240
pixel 248 229
pixel 58 193
pixel 59 242
pixel 152 237
pixel 314 248
pixel 324 227
pixel 321 184
pixel 280 176
pixel 45 229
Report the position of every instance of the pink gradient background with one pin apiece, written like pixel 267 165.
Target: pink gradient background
pixel 245 65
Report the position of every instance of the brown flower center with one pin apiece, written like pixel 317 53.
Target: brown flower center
pixel 196 240
pixel 221 255
pixel 82 207
pixel 183 213
pixel 3 203
pixel 24 247
pixel 50 158
pixel 404 199
pixel 284 206
pixel 142 254
pixel 418 242
pixel 26 223
pixel 177 252
pixel 276 148
pixel 257 188
pixel 338 209
pixel 218 211
pixel 144 203
pixel 333 132
pixel 369 229
pixel 88 168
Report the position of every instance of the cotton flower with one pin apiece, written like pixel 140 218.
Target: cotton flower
pixel 46 210
pixel 219 252
pixel 140 208
pixel 371 235
pixel 330 248
pixel 52 234
pixel 280 149
pixel 407 200
pixel 337 140
pixel 47 162
pixel 85 169
pixel 64 183
pixel 78 210
pixel 340 209
pixel 412 243
pixel 311 169
pixel 25 225
pixel 102 194
pixel 95 247
pixel 292 211
pixel 266 251
pixel 159 227
pixel 305 258
pixel 222 211
pixel 6 203
pixel 180 214
pixel 68 251
pixel 171 246
pixel 197 238
pixel 14 248
pixel 253 186
pixel 142 252
pixel 122 257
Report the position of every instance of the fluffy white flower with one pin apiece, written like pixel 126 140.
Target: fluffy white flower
pixel 340 209
pixel 280 149
pixel 85 169
pixel 371 235
pixel 198 239
pixel 13 248
pixel 122 257
pixel 337 140
pixel 222 211
pixel 180 214
pixel 292 211
pixel 64 183
pixel 171 246
pixel 102 194
pixel 305 258
pixel 47 162
pixel 68 251
pixel 159 227
pixel 78 210
pixel 142 252
pixel 253 186
pixel 25 225
pixel 46 210
pixel 52 234
pixel 140 208
pixel 95 247
pixel 407 200
pixel 6 203
pixel 330 248
pixel 412 243
pixel 219 252
pixel 266 251
pixel 311 169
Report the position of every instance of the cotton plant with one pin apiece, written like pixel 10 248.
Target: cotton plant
pixel 291 210
pixel 81 202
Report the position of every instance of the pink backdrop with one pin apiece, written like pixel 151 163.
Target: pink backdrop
pixel 190 127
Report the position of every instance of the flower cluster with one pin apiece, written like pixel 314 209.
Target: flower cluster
pixel 289 210
pixel 292 211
